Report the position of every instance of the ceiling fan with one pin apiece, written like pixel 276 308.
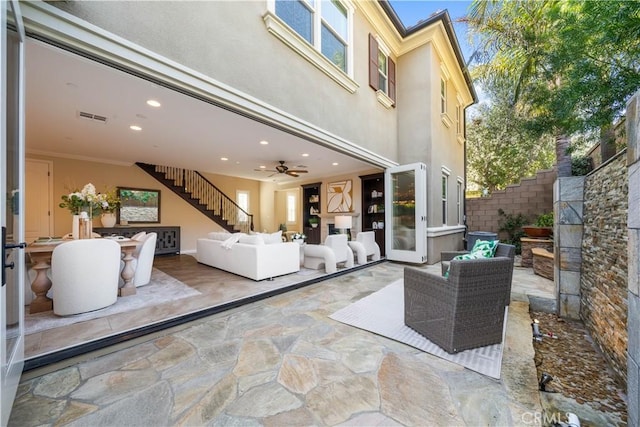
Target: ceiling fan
pixel 282 168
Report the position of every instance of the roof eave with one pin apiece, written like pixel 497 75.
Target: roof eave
pixel 442 16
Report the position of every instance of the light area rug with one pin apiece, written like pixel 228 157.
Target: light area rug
pixel 382 313
pixel 162 288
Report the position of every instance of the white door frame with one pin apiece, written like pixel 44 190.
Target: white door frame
pixel 406 241
pixel 11 294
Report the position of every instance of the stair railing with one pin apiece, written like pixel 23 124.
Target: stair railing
pixel 209 196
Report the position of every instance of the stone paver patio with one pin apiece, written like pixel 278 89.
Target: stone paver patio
pixel 282 361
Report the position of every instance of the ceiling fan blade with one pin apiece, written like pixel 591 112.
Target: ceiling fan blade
pixel 298 171
pixel 292 173
pixel 265 170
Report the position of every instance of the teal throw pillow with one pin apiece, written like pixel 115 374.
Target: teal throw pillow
pixel 481 249
pixel 487 248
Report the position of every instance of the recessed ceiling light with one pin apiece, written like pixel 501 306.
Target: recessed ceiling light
pixel 305 154
pixel 263 142
pixel 335 163
pixel 263 167
pixel 135 127
pixel 224 159
pixel 153 103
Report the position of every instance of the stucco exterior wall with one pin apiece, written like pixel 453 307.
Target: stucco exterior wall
pixel 424 137
pixel 229 42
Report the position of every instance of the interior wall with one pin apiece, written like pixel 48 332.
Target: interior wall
pixel 71 174
pixel 281 209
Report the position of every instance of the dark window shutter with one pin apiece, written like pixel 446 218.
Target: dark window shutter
pixel 391 74
pixel 373 62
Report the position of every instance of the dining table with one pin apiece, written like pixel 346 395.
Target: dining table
pixel 40 252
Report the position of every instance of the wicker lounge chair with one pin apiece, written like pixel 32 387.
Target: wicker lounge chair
pixel 464 310
pixel 503 250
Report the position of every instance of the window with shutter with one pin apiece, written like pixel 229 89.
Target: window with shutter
pixel 382 72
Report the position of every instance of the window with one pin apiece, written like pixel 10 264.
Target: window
pixel 242 199
pixel 325 24
pixel 445 193
pixel 292 205
pixel 298 15
pixel 382 71
pixel 443 95
pixel 460 201
pixel 459 120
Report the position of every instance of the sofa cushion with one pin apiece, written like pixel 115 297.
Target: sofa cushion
pixel 252 239
pixel 219 235
pixel 271 238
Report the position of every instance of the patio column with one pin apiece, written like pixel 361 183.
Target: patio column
pixel 568 202
pixel 633 221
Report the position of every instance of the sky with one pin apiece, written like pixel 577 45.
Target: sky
pixel 411 12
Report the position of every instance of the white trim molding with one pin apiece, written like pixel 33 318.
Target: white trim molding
pixel 384 99
pixel 282 31
pixel 445 230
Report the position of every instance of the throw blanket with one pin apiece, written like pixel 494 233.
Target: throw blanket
pixel 230 241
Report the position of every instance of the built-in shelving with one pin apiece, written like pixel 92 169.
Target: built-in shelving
pixel 373 206
pixel 311 208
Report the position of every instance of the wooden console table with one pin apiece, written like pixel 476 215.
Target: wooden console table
pixel 168 241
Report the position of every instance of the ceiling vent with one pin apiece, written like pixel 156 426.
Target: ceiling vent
pixel 92 117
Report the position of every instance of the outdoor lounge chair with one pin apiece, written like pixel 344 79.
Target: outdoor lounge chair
pixel 464 310
pixel 502 250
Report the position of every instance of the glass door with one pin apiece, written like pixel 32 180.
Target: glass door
pixel 11 203
pixel 406 213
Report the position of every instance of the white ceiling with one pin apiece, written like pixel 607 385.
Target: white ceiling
pixel 184 132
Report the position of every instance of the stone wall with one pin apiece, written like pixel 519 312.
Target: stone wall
pixel 633 248
pixel 603 284
pixel 532 197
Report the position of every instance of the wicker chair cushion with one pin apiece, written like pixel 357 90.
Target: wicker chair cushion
pixel 481 249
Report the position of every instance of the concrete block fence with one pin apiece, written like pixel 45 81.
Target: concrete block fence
pixel 531 197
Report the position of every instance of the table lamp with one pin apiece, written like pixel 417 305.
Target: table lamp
pixel 342 223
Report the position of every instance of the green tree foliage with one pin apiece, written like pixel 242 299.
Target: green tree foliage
pixel 574 63
pixel 501 149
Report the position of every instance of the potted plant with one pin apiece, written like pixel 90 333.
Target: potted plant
pixel 298 238
pixel 542 228
pixel 313 221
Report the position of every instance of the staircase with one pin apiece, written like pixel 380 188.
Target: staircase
pixel 200 193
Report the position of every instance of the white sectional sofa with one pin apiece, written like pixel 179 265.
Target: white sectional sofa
pixel 256 256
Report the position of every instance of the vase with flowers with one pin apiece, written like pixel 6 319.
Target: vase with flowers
pixel 109 204
pixel 84 205
pixel 299 238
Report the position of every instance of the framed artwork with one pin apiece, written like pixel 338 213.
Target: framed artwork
pixel 139 205
pixel 340 196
